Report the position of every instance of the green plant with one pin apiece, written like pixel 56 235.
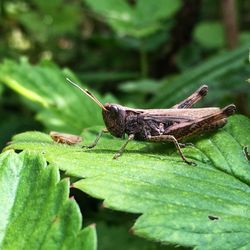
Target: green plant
pixel 212 71
pixel 138 53
pixel 206 206
pixel 36 211
pixel 205 33
pixel 139 21
pixel 45 85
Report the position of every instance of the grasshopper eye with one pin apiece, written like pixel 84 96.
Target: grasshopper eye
pixel 115 109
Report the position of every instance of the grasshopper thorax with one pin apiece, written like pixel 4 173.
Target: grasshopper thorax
pixel 114 117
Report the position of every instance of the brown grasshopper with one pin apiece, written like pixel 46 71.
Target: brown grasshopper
pixel 161 125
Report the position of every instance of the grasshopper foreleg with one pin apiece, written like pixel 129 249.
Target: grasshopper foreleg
pixel 93 144
pixel 121 150
pixel 170 138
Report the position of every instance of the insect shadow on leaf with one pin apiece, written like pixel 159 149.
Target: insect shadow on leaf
pixel 246 152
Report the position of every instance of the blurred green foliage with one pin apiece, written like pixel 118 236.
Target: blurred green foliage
pixel 140 53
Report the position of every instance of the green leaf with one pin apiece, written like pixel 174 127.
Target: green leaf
pixel 210 34
pixel 176 88
pixel 47 20
pixel 35 209
pixel 207 206
pixel 139 20
pixel 141 86
pixel 46 85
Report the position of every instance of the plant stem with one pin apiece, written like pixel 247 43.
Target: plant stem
pixel 230 23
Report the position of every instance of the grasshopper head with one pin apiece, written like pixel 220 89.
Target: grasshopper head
pixel 113 114
pixel 114 117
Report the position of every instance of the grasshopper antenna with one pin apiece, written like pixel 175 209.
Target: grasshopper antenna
pixel 86 92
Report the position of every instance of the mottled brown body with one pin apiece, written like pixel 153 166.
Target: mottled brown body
pixel 181 121
pixel 162 125
pixel 159 125
pixel 65 138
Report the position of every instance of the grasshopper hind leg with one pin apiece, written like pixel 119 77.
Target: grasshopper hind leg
pixel 229 110
pixel 206 124
pixel 192 99
pixel 170 138
pixel 216 125
pixel 220 120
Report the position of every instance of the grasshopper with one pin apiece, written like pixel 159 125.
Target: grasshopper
pixel 161 125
